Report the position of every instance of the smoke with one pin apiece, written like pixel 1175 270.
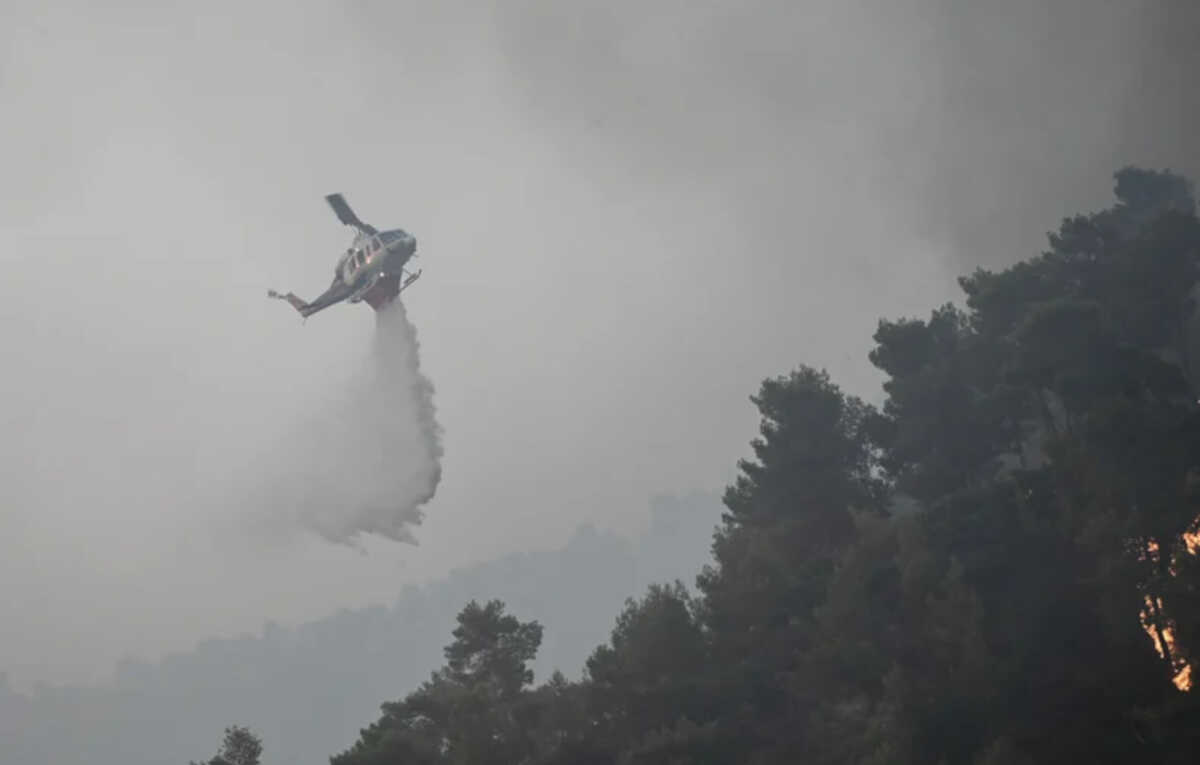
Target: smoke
pixel 970 128
pixel 367 460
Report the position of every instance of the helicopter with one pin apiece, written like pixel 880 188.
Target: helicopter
pixel 372 269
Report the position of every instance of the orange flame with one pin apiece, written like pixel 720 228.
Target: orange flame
pixel 1164 635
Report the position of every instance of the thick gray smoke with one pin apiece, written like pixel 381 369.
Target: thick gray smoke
pixel 370 457
pixel 968 127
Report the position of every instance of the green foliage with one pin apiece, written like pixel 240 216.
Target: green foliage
pixel 470 711
pixel 790 512
pixel 491 650
pixel 644 680
pixel 1049 433
pixel 239 747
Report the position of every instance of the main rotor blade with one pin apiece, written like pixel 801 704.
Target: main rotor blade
pixel 341 208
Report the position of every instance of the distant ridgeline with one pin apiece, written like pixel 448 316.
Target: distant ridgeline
pixel 308 690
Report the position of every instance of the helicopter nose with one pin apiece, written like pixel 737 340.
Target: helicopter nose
pixel 402 241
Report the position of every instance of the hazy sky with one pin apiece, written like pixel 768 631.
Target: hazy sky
pixel 628 214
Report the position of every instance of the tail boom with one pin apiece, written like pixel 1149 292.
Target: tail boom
pixel 379 295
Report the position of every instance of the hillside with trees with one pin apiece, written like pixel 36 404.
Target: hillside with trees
pixel 1037 602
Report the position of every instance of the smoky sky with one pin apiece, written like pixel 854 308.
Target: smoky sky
pixel 628 215
pixel 980 124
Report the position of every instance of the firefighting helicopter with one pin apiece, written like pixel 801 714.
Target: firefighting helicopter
pixel 372 269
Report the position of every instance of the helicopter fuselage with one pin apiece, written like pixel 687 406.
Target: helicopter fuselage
pixel 373 257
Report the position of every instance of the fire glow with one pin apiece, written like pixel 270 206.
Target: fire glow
pixel 1161 631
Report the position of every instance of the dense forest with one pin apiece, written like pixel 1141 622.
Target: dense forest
pixel 997 565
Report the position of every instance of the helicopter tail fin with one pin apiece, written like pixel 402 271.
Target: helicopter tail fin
pixel 300 305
